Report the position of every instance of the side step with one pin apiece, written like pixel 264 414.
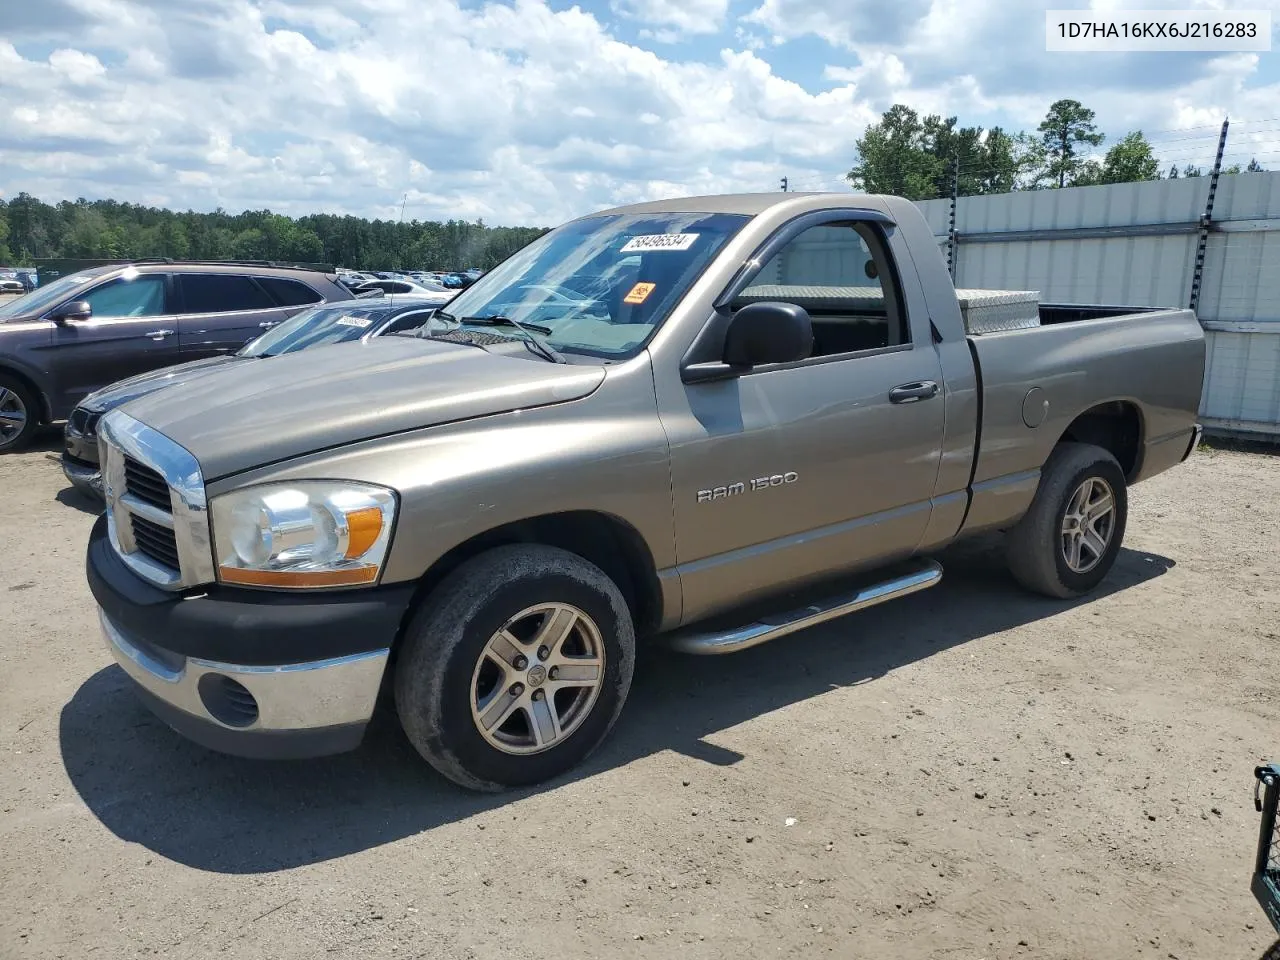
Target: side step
pixel 920 576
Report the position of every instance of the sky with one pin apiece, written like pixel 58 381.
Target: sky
pixel 535 111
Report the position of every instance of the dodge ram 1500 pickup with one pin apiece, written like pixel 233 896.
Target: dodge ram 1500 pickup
pixel 711 421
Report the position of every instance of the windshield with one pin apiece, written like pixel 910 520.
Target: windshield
pixel 315 326
pixel 601 285
pixel 42 298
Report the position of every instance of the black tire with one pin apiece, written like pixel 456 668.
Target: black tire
pixel 21 394
pixel 1034 547
pixel 448 633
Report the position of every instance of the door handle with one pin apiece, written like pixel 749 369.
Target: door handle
pixel 160 334
pixel 268 324
pixel 912 392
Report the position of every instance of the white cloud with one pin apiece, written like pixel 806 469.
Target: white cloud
pixel 516 112
pixel 521 113
pixel 679 17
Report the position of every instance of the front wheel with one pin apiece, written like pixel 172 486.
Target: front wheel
pixel 515 667
pixel 1068 540
pixel 19 414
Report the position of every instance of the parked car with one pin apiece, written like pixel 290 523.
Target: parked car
pixel 776 418
pixel 404 286
pixel 12 285
pixel 327 323
pixel 77 333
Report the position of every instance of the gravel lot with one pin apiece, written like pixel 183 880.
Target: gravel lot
pixel 968 773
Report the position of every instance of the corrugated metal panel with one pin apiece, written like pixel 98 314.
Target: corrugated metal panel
pixel 1240 286
pixel 1241 383
pixel 1143 271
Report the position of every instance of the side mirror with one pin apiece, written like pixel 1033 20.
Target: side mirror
pixel 759 333
pixel 75 310
pixel 768 332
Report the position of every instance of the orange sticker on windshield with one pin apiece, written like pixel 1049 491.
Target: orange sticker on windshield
pixel 640 293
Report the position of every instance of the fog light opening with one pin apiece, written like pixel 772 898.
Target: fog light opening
pixel 227 700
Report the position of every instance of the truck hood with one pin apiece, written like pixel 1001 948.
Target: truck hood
pixel 122 391
pixel 247 415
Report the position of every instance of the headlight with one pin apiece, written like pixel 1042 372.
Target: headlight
pixel 308 534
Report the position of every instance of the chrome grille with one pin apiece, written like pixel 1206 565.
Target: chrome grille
pixel 146 484
pixel 156 510
pixel 156 541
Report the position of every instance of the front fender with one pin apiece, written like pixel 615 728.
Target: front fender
pixel 605 453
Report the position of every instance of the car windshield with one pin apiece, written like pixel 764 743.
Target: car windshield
pixel 600 286
pixel 42 298
pixel 328 323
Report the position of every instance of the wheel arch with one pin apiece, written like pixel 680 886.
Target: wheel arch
pixel 1116 426
pixel 606 540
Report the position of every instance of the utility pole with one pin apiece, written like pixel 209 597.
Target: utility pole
pixel 784 184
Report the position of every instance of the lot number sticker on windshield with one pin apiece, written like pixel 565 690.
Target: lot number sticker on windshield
pixel 350 321
pixel 659 241
pixel 639 293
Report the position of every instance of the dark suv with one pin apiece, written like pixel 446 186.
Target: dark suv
pixel 82 331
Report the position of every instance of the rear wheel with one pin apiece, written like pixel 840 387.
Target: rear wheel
pixel 19 416
pixel 1068 540
pixel 515 668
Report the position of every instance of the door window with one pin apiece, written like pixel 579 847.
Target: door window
pixel 221 293
pixel 137 296
pixel 290 293
pixel 842 275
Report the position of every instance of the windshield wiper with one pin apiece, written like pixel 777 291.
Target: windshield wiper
pixel 528 329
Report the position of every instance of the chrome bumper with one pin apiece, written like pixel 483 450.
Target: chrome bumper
pixel 225 706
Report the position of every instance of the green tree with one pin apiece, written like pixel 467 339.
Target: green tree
pixel 249 244
pixel 894 157
pixel 1129 161
pixel 1254 167
pixel 1066 128
pixel 171 239
pixel 108 228
pixel 5 256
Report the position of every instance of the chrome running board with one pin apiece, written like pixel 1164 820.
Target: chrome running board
pixel 920 576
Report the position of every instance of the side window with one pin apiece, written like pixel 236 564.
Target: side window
pixel 290 293
pixel 138 296
pixel 842 275
pixel 408 321
pixel 221 293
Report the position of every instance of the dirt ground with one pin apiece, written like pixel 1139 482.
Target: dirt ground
pixel 967 773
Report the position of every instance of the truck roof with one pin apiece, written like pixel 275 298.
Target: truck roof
pixel 748 204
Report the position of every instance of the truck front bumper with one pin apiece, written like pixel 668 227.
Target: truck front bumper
pixel 249 673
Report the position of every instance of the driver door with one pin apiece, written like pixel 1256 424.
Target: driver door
pixel 796 472
pixel 132 330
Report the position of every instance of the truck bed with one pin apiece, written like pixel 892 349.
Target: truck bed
pixel 1132 374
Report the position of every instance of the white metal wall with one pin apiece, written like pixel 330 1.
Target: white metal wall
pixel 1240 291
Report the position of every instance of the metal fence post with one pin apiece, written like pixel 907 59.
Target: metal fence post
pixel 952 238
pixel 1197 275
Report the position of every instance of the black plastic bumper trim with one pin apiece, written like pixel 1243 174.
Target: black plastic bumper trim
pixel 255 744
pixel 248 627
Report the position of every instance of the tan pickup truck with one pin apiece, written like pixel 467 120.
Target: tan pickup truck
pixel 709 422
